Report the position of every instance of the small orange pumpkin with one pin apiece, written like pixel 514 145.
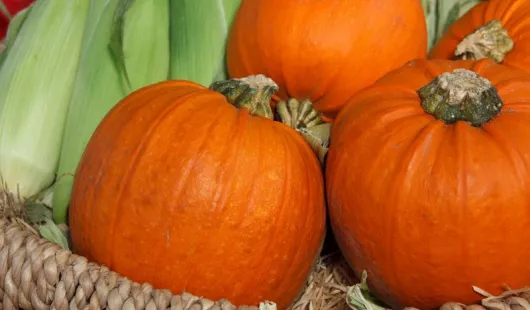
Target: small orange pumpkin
pixel 179 188
pixel 324 51
pixel 428 182
pixel 495 29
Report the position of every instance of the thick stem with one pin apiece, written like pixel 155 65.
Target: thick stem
pixel 253 93
pixel 298 114
pixel 489 41
pixel 461 95
pixel 304 118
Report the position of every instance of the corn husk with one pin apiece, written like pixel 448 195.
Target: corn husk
pixel 14 27
pixel 4 10
pixel 41 57
pixel 122 52
pixel 146 42
pixel 199 30
pixel 440 14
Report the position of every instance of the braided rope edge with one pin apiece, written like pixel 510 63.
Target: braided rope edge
pixel 38 274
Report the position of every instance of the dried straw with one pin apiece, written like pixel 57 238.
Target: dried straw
pixel 328 285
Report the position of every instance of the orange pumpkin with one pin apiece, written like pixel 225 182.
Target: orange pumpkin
pixel 427 182
pixel 179 188
pixel 495 29
pixel 324 51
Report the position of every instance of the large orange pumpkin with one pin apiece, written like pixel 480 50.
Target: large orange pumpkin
pixel 497 29
pixel 179 188
pixel 428 182
pixel 324 51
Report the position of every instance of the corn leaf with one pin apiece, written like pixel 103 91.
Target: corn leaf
pixel 100 84
pixel 359 297
pixel 267 305
pixel 140 41
pixel 146 42
pixel 36 81
pixel 37 213
pixel 452 14
pixel 51 231
pixel 199 30
pixel 38 208
pixel 440 14
pixel 430 9
pixel 4 10
pixel 116 38
pixel 12 31
pixel 98 87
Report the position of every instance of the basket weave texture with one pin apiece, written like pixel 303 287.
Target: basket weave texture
pixel 38 274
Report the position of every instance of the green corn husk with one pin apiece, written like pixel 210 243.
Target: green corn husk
pixel 440 14
pixel 430 9
pixel 4 10
pixel 146 62
pixel 36 81
pixel 199 30
pixel 125 47
pixel 12 31
pixel 98 85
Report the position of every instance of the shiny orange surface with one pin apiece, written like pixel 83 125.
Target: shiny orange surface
pixel 431 209
pixel 180 189
pixel 325 51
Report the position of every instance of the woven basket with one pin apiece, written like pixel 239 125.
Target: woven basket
pixel 38 274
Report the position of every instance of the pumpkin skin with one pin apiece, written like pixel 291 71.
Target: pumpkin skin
pixel 180 189
pixel 512 14
pixel 430 209
pixel 324 51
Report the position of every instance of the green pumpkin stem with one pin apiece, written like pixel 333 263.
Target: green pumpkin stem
pixel 489 41
pixel 298 114
pixel 461 95
pixel 253 93
pixel 304 118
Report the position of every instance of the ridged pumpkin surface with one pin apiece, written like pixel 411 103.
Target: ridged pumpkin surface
pixel 514 17
pixel 324 51
pixel 430 209
pixel 180 189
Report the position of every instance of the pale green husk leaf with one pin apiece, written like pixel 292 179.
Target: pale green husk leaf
pixel 98 87
pixel 126 48
pixel 358 296
pixel 199 30
pixel 36 80
pixel 12 31
pixel 440 14
pixel 4 10
pixel 51 231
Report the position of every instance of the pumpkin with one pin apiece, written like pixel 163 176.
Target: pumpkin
pixel 427 182
pixel 495 29
pixel 182 189
pixel 324 51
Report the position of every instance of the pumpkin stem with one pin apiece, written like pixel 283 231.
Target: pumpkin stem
pixel 297 114
pixel 461 95
pixel 252 92
pixel 489 41
pixel 304 118
pixel 255 93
